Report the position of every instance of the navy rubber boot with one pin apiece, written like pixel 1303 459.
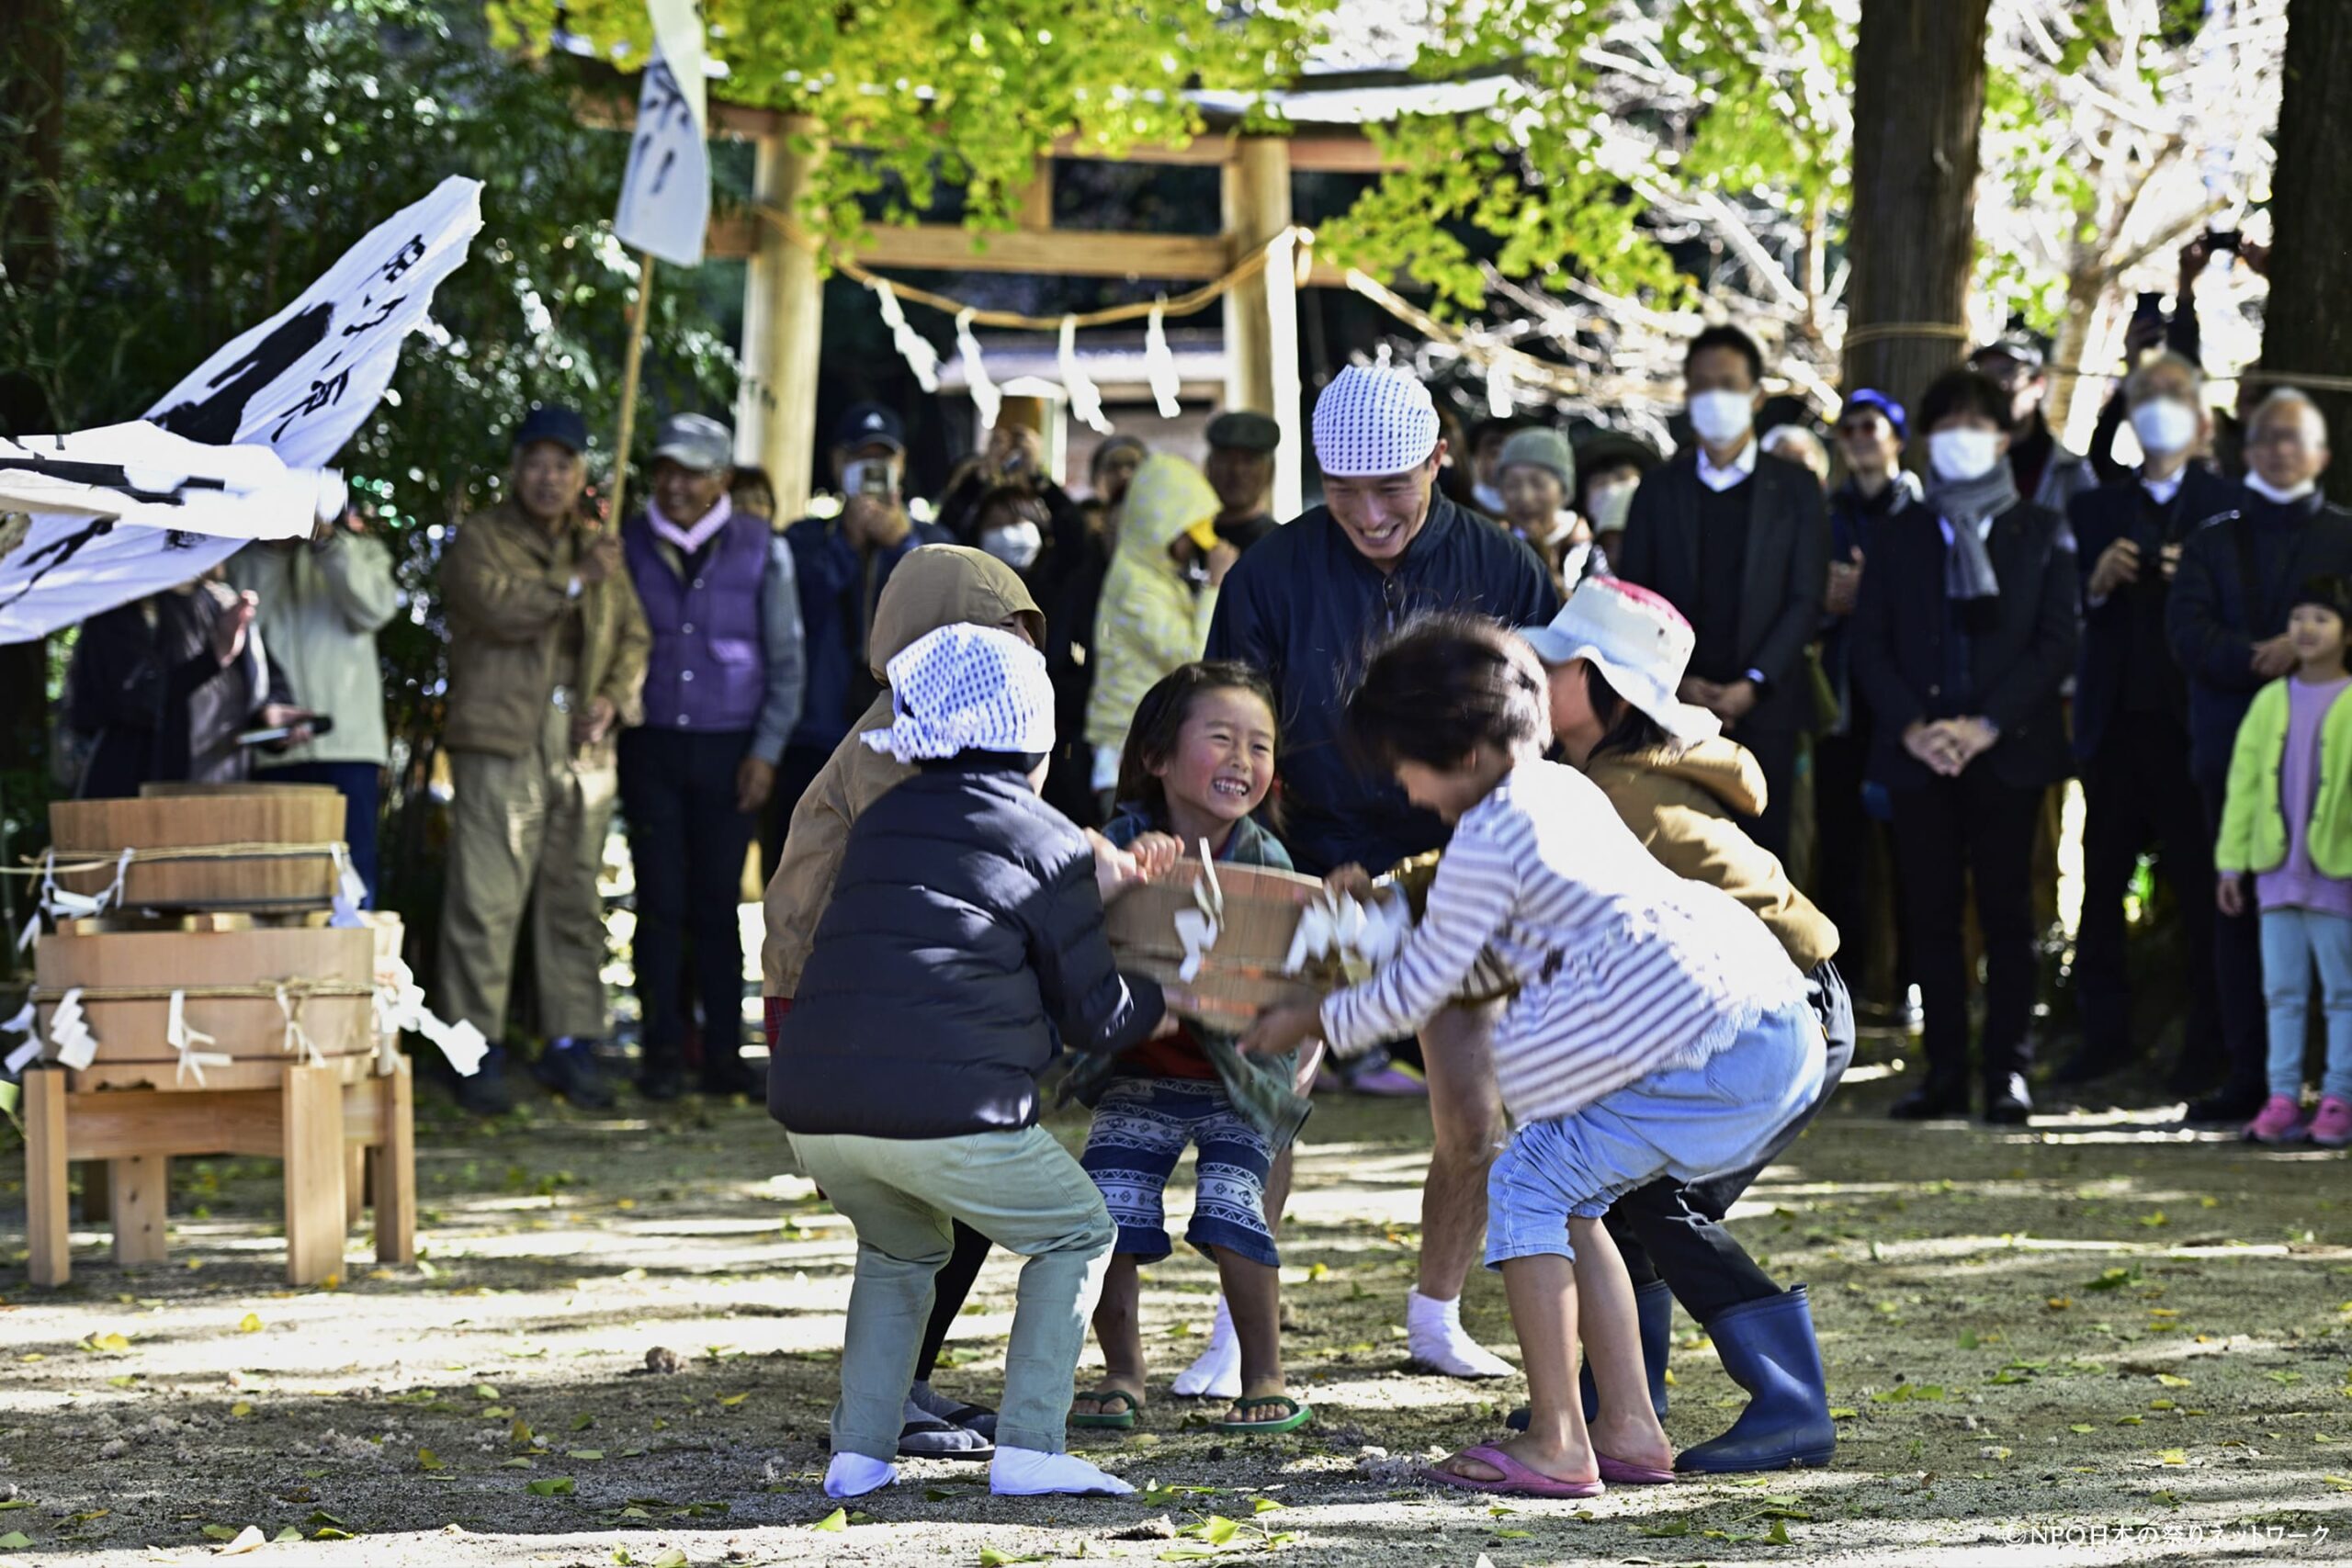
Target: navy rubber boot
pixel 1768 1348
pixel 486 1091
pixel 1654 1307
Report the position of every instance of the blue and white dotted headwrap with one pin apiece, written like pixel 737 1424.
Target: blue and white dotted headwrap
pixel 1374 420
pixel 968 688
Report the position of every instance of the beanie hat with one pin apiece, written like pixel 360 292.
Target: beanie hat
pixel 1540 447
pixel 2329 591
pixel 1374 420
pixel 968 688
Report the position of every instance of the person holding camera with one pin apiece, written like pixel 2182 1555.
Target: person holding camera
pixel 842 562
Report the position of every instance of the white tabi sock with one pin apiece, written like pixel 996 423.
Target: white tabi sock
pixel 1216 1372
pixel 1434 1337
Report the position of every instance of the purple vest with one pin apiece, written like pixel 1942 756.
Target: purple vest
pixel 708 667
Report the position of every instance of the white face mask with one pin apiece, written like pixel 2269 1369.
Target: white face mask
pixel 1721 417
pixel 1016 545
pixel 1963 454
pixel 2273 493
pixel 1607 505
pixel 2165 426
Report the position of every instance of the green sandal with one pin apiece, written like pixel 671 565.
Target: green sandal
pixel 1109 1420
pixel 1299 1415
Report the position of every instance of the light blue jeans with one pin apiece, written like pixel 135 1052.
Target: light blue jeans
pixel 2292 940
pixel 1684 1121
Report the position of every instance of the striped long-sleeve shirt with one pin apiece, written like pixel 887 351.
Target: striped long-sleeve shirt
pixel 1623 967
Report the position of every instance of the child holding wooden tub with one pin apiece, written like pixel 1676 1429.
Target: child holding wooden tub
pixel 1658 1028
pixel 1199 761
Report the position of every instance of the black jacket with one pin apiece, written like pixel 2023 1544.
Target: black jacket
pixel 2212 623
pixel 1786 573
pixel 2098 518
pixel 963 943
pixel 1304 607
pixel 2016 665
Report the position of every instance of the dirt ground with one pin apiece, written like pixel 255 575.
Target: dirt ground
pixel 2102 1339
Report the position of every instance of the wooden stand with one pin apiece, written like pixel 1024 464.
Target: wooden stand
pixel 324 1121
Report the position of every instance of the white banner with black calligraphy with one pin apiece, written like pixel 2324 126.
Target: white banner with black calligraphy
pixel 299 384
pixel 665 195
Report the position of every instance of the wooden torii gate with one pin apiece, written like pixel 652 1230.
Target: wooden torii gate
pixel 783 294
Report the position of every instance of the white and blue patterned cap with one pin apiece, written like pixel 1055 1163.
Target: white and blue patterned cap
pixel 1374 420
pixel 968 688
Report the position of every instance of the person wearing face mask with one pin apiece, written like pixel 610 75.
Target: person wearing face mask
pixel 1610 465
pixel 2225 619
pixel 1737 539
pixel 843 563
pixel 2047 472
pixel 548 651
pixel 722 693
pixel 1008 526
pixel 2132 722
pixel 1487 438
pixel 1870 435
pixel 1962 635
pixel 1537 473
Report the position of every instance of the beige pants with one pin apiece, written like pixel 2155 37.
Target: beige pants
pixel 527 830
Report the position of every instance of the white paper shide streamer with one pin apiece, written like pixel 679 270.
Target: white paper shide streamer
pixel 183 1039
pixel 25 1024
pixel 1085 398
pixel 1159 362
pixel 985 399
pixel 913 347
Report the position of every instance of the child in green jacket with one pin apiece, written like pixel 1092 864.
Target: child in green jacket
pixel 2288 820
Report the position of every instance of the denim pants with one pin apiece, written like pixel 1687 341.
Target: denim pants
pixel 1022 1190
pixel 1686 1123
pixel 2292 940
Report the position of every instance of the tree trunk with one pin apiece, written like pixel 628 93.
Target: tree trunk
pixel 2086 285
pixel 32 78
pixel 1918 98
pixel 2306 327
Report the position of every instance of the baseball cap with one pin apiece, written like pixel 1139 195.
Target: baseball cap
pixel 2011 345
pixel 1872 398
pixel 695 440
pixel 552 423
pixel 866 423
pixel 1244 430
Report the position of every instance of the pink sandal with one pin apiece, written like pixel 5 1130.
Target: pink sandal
pixel 1619 1472
pixel 1516 1480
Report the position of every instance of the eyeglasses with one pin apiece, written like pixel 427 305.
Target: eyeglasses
pixel 2277 436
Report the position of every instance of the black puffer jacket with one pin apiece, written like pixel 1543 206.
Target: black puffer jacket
pixel 964 930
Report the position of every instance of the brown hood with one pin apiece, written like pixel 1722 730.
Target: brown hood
pixel 1720 766
pixel 940 585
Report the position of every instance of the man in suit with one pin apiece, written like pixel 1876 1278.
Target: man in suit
pixel 1738 540
pixel 2132 719
pixel 2226 620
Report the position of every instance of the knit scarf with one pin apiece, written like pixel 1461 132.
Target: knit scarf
pixel 689 540
pixel 1961 507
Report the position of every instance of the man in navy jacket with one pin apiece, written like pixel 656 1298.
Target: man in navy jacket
pixel 2131 720
pixel 1306 605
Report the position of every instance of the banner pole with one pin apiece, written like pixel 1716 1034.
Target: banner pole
pixel 632 361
